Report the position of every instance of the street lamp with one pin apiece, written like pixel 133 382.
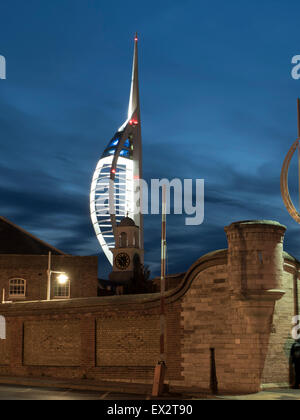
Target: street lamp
pixel 62 278
pixel 160 369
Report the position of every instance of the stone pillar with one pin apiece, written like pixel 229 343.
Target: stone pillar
pixel 255 273
pixel 255 255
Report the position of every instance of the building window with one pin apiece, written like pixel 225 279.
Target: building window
pixel 123 240
pixel 17 288
pixel 61 291
pixel 136 240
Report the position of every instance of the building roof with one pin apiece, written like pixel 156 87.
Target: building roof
pixel 17 241
pixel 127 221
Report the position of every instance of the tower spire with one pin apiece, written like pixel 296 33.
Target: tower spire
pixel 134 101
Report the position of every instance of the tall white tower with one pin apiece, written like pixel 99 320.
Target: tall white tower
pixel 115 190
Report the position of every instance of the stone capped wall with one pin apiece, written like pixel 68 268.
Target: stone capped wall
pixel 226 302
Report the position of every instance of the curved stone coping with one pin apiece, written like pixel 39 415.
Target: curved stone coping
pixel 211 259
pixel 257 222
pixel 289 257
pixel 171 276
pixel 79 303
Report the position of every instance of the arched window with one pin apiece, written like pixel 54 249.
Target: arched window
pixel 136 240
pixel 17 288
pixel 123 240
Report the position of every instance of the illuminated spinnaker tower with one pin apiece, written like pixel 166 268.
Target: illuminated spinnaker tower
pixel 285 172
pixel 115 191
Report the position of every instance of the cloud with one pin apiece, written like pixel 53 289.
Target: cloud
pixel 218 103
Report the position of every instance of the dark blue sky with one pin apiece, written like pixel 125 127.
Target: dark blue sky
pixel 218 102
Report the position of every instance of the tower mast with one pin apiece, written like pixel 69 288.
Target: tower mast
pixel 134 117
pixel 134 100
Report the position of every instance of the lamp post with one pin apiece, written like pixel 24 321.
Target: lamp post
pixel 160 369
pixel 62 278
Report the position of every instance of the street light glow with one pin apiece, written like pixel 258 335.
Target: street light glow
pixel 62 279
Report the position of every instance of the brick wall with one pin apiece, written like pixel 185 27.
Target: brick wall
pixel 211 320
pixel 52 343
pixel 278 367
pixel 204 322
pixel 128 341
pixel 4 353
pixel 96 338
pixel 117 338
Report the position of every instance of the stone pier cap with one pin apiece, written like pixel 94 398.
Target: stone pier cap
pixel 260 223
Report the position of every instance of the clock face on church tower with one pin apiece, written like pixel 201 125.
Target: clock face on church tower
pixel 122 261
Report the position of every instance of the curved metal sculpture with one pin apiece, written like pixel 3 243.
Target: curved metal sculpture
pixel 115 190
pixel 285 172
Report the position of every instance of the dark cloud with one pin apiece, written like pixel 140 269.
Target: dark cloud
pixel 218 103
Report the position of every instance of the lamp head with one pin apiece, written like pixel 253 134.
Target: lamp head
pixel 62 279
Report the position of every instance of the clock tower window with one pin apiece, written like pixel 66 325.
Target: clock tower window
pixel 123 240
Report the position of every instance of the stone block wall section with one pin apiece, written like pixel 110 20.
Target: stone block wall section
pixel 278 369
pixel 227 302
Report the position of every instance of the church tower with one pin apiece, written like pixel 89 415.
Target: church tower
pixel 127 254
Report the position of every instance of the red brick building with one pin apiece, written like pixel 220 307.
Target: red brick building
pixel 24 263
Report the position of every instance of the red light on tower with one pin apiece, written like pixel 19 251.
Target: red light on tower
pixel 136 37
pixel 113 171
pixel 133 122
